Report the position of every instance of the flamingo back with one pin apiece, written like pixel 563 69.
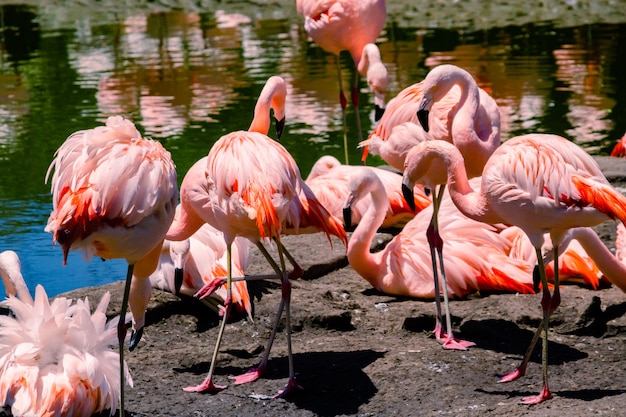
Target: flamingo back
pixel 109 177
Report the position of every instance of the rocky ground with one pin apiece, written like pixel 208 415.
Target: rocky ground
pixel 358 352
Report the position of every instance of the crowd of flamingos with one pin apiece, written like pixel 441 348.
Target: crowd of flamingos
pixel 454 189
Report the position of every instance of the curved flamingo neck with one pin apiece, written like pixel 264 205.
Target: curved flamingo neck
pixel 361 259
pixel 612 267
pixel 10 271
pixel 272 97
pixel 473 147
pixel 470 202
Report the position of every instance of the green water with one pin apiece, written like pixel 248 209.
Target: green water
pixel 186 77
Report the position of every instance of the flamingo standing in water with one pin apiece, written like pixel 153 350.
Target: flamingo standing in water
pixel 329 180
pixel 250 186
pixel 353 26
pixel 55 357
pixel 538 182
pixel 114 195
pixel 452 99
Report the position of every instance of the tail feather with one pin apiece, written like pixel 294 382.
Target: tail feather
pixel 317 217
pixel 500 281
pixel 575 268
pixel 602 197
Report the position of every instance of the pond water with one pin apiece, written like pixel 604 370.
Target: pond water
pixel 188 72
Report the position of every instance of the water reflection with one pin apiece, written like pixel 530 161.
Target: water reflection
pixel 186 77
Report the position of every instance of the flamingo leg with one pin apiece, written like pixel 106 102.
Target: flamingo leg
pixel 549 304
pixel 207 385
pixel 355 104
pixel 344 102
pixel 210 287
pixel 436 245
pixel 285 302
pixel 121 333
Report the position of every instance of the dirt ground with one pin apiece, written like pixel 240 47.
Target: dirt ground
pixel 361 353
pixel 358 352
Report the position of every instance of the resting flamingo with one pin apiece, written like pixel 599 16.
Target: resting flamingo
pixel 353 26
pixel 55 356
pixel 186 266
pixel 448 93
pixel 114 195
pixel 538 182
pixel 477 254
pixel 250 186
pixel 329 178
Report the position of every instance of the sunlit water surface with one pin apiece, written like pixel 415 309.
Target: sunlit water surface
pixel 186 77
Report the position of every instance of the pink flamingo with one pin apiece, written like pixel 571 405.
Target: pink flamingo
pixel 114 195
pixel 477 254
pixel 448 93
pixel 250 186
pixel 398 130
pixel 353 26
pixel 619 150
pixel 328 180
pixel 186 266
pixel 538 182
pixel 55 356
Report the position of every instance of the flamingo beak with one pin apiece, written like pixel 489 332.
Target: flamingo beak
pixel 178 280
pixel 347 218
pixel 280 126
pixel 423 112
pixel 135 338
pixel 409 197
pixel 378 112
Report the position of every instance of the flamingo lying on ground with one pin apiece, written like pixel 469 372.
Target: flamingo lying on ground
pixel 353 26
pixel 251 186
pixel 55 357
pixel 328 180
pixel 114 195
pixel 186 266
pixel 476 254
pixel 538 182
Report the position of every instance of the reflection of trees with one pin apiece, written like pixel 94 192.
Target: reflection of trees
pixel 169 74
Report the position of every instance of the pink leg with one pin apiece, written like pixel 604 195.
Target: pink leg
pixel 448 340
pixel 549 303
pixel 285 303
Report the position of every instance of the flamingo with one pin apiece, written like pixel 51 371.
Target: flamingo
pixel 114 195
pixel 539 182
pixel 477 254
pixel 55 356
pixel 448 93
pixel 353 26
pixel 399 130
pixel 619 150
pixel 329 180
pixel 250 186
pixel 186 266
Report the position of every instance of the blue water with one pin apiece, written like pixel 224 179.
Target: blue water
pixel 188 77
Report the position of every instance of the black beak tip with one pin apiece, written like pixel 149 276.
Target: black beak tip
pixel 422 116
pixel 280 127
pixel 135 338
pixel 347 219
pixel 378 113
pixel 408 195
pixel 178 280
